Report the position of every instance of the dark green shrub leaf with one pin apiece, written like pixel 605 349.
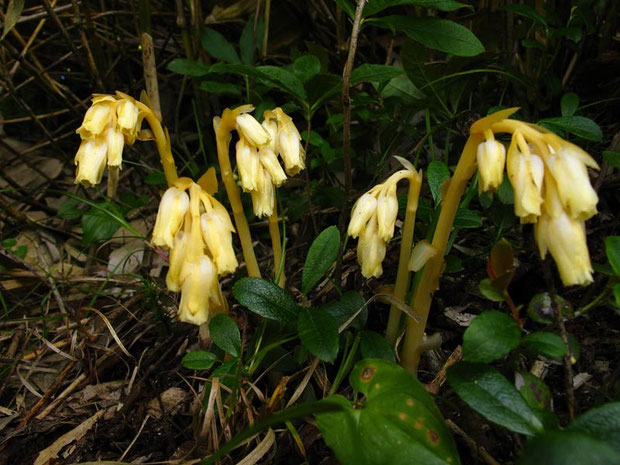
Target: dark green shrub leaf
pixel 225 334
pixel 578 125
pixel 466 218
pixel 402 88
pixel 188 67
pixel 321 256
pixel 69 210
pixel 342 310
pixel 318 332
pixel 438 34
pixel 101 222
pixel 489 291
pixel 220 88
pixel 567 447
pixel 612 249
pixel 284 79
pixel 376 6
pixel 613 158
pixel 485 390
pixel 545 343
pixel 534 390
pixel 407 416
pixel 602 422
pixel 306 67
pixel 218 47
pixel 198 360
pixel 569 104
pixel 155 178
pixel 436 173
pixel 374 345
pixel 527 12
pixel 374 73
pixel 266 299
pixel 490 336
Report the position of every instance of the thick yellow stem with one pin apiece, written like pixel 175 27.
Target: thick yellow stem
pixel 402 275
pixel 421 300
pixel 222 135
pixel 276 245
pixel 163 143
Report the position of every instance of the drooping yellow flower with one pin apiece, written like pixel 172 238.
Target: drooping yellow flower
pixel 288 141
pixel 371 250
pixel 97 117
pixel 199 287
pixel 526 172
pixel 116 142
pixel 178 253
pixel 252 131
pixel 387 210
pixel 217 232
pixel 172 209
pixel 362 211
pixel 491 158
pixel 269 161
pixel 264 199
pixel 248 166
pixel 91 161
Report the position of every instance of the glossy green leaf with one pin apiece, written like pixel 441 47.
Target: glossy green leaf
pixel 489 291
pixel 221 88
pixel 534 390
pixel 218 47
pixel 321 256
pixel 490 336
pixel 485 390
pixel 225 334
pixel 374 73
pixel 188 67
pixel 397 424
pixel 266 299
pixel 101 222
pixel 374 345
pixel 69 209
pixel 349 304
pixel 198 360
pixel 613 158
pixel 436 173
pixel 438 34
pixel 578 125
pixel 567 447
pixel 402 88
pixel 466 218
pixel 601 422
pixel 318 332
pixel 306 67
pixel 612 249
pixel 569 103
pixel 527 12
pixel 376 6
pixel 284 79
pixel 544 343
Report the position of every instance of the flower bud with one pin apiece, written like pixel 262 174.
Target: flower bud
pixel 199 284
pixel 252 131
pixel 217 234
pixel 116 142
pixel 363 210
pixel 526 172
pixel 291 152
pixel 371 250
pixel 176 258
pixel 248 166
pixel 91 161
pixel 172 209
pixel 96 119
pixel 271 126
pixel 269 161
pixel 491 158
pixel 569 171
pixel 127 117
pixel 387 210
pixel 264 200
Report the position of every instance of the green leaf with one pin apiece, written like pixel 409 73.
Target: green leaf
pixel 69 210
pixel 342 310
pixel 572 33
pixel 527 12
pixel 613 158
pixel 616 290
pixel 374 345
pixel 612 249
pixel 318 332
pixel 466 218
pixel 569 104
pixel 155 178
pixel 402 88
pixel 101 222
pixel 439 34
pixel 347 7
pixel 534 390
pixel 485 390
pixel 188 67
pixel 436 173
pixel 376 6
pixel 220 88
pixel 374 73
pixel 225 334
pixel 397 424
pixel 13 12
pixel 602 422
pixel 321 88
pixel 306 67
pixel 489 291
pixel 321 256
pixel 545 343
pixel 490 336
pixel 578 125
pixel 567 447
pixel 218 47
pixel 246 40
pixel 266 299
pixel 198 360
pixel 505 193
pixel 284 79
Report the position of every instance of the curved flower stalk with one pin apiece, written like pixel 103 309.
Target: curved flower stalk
pixel 552 190
pixel 112 122
pixel 198 231
pixel 258 168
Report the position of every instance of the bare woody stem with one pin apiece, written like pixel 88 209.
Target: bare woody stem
pixel 112 181
pixel 402 275
pixel 276 245
pixel 429 283
pixel 222 136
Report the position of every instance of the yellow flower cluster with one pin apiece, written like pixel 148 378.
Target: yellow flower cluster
pixel 198 231
pixel 111 122
pixel 372 220
pixel 257 161
pixel 551 187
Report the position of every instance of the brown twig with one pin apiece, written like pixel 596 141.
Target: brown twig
pixel 475 448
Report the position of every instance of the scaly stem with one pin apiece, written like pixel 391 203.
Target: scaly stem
pixel 163 143
pixel 222 137
pixel 421 300
pixel 276 245
pixel 402 275
pixel 112 181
